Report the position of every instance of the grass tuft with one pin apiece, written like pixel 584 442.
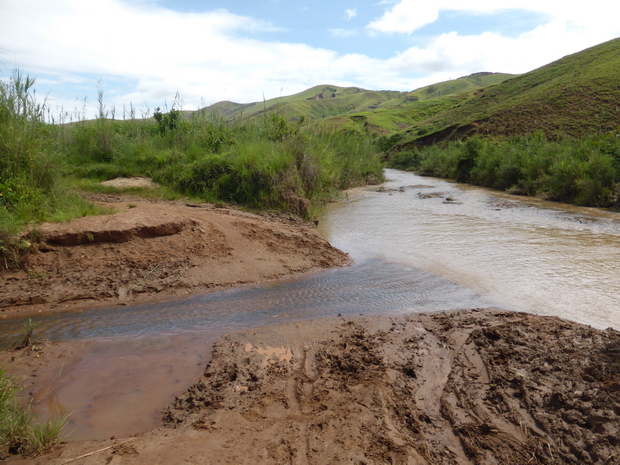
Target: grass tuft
pixel 18 435
pixel 25 339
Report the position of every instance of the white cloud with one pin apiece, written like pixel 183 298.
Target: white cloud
pixel 115 38
pixel 405 17
pixel 146 53
pixel 350 13
pixel 96 36
pixel 454 55
pixel 568 29
pixel 343 32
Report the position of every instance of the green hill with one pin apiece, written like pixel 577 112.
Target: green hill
pixel 575 96
pixel 384 111
pixel 316 102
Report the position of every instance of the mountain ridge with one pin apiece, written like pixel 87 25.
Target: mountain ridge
pixel 326 101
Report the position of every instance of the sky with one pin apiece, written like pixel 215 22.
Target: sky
pixel 143 53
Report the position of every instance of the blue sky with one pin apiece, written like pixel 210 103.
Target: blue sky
pixel 142 52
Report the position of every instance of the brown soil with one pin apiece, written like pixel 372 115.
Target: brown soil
pixel 131 182
pixel 469 387
pixel 148 250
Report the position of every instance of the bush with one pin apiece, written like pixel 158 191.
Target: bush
pixel 585 172
pixel 440 161
pixel 385 143
pixel 251 164
pixel 405 160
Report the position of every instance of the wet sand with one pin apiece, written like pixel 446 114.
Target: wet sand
pixel 476 386
pixel 147 251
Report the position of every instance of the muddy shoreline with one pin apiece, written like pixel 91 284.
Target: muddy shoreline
pixel 475 386
pixel 147 251
pixel 480 386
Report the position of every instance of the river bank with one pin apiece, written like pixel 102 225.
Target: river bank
pixel 150 250
pixel 476 386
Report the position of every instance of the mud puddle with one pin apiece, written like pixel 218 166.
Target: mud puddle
pixel 109 388
pixel 130 362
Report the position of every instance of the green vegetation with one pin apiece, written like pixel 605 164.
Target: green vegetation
pixel 30 169
pixel 253 164
pixel 576 96
pixel 18 433
pixel 553 132
pixel 581 171
pixel 384 111
pixel 264 163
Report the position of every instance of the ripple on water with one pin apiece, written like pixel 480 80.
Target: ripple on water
pixel 371 287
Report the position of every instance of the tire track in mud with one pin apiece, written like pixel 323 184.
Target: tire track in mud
pixel 465 387
pixel 461 387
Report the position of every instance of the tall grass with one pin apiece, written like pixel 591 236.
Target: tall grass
pixel 27 168
pixel 30 168
pixel 252 164
pixel 18 433
pixel 581 171
pixel 261 164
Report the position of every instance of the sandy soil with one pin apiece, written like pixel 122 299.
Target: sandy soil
pixel 149 250
pixel 469 387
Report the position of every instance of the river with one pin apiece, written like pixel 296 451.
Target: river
pixel 419 245
pixel 521 253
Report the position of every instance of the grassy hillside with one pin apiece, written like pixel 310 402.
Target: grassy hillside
pixel 231 110
pixel 552 133
pixel 383 111
pixel 575 96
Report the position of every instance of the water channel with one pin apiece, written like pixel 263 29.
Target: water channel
pixel 419 245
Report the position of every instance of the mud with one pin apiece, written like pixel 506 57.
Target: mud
pixel 469 387
pixel 148 250
pixel 131 182
pixel 432 195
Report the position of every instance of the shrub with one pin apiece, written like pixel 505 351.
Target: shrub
pixel 582 171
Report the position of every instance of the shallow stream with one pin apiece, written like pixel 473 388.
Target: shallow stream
pixel 419 245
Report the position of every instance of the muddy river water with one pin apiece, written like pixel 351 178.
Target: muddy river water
pixel 419 245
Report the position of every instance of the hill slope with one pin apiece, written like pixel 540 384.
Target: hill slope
pixel 575 96
pixel 336 103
